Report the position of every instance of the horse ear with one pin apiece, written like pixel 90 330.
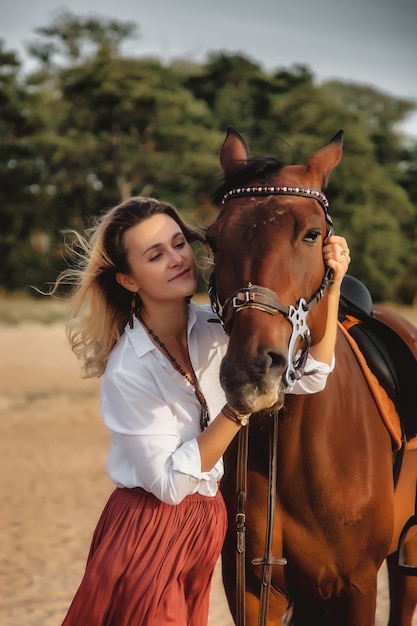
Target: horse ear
pixel 234 151
pixel 325 160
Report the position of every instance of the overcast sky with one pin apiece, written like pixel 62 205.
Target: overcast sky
pixel 365 41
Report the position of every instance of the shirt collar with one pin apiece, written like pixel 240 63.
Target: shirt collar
pixel 139 337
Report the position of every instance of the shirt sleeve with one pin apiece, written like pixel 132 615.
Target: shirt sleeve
pixel 316 380
pixel 146 441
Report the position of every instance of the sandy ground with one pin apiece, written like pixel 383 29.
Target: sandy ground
pixel 53 482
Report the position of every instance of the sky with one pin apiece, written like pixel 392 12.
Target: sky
pixel 370 42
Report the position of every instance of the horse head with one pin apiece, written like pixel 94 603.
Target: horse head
pixel 270 278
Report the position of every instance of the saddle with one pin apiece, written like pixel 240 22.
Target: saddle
pixel 388 343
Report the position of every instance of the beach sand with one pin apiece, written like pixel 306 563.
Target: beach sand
pixel 53 481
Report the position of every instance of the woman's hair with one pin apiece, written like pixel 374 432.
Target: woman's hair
pixel 99 306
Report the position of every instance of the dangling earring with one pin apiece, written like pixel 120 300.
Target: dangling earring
pixel 133 307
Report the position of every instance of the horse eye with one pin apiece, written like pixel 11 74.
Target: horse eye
pixel 312 236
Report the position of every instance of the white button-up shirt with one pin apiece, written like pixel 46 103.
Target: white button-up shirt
pixel 153 415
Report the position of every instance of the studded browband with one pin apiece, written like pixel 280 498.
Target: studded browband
pixel 280 190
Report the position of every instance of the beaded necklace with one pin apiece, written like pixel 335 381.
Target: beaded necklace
pixel 204 414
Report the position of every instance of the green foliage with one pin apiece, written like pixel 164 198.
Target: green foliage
pixel 21 210
pixel 93 125
pixel 76 39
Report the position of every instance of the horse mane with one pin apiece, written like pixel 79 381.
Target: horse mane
pixel 257 168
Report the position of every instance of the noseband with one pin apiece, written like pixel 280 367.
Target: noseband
pixel 264 299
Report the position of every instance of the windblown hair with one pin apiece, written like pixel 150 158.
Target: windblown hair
pixel 99 306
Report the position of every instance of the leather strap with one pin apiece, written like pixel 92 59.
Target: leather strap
pixel 241 484
pixel 268 560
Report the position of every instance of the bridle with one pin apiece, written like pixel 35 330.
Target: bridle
pixel 264 299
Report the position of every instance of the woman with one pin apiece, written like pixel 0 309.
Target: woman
pixel 157 542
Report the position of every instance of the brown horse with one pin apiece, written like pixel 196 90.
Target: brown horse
pixel 336 516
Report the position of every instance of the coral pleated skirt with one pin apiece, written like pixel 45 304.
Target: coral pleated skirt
pixel 150 563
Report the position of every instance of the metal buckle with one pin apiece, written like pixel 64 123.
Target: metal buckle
pixel 247 297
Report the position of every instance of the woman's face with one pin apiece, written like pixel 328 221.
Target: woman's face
pixel 162 262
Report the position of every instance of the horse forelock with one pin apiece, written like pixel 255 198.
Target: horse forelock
pixel 259 169
pixel 248 237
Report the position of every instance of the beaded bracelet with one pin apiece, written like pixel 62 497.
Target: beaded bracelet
pixel 235 416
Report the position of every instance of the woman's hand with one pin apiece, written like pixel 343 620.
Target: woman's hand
pixel 336 255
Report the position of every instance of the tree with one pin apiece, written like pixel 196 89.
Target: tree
pixel 92 126
pixel 407 289
pixel 293 117
pixel 71 39
pixel 124 125
pixel 24 237
pixel 380 114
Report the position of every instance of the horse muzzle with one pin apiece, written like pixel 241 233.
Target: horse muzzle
pixel 254 385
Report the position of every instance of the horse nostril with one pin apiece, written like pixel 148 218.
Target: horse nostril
pixel 267 360
pixel 278 360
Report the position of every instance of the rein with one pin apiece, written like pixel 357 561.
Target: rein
pixel 264 299
pixel 267 561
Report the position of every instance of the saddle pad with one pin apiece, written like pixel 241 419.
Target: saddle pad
pixel 385 405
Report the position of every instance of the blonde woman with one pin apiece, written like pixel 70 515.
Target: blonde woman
pixel 159 537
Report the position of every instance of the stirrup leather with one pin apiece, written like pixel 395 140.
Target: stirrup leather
pixel 410 570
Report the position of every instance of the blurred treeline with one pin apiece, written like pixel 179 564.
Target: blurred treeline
pixel 93 124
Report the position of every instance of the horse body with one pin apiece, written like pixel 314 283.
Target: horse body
pixel 334 530
pixel 334 510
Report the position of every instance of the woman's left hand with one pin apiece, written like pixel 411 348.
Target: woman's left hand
pixel 336 255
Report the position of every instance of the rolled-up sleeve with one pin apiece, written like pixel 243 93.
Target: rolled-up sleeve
pixel 147 448
pixel 315 377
